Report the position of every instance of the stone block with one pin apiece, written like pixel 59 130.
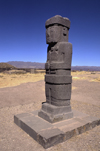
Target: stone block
pixel 55 118
pixel 54 110
pixel 63 72
pixel 50 137
pixel 49 134
pixel 58 79
pixel 62 91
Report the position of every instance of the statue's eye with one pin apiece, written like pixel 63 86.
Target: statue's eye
pixel 64 31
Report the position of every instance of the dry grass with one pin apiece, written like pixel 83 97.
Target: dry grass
pixel 9 80
pixel 85 75
pixel 96 79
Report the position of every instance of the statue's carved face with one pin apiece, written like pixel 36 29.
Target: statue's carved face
pixel 56 33
pixel 53 34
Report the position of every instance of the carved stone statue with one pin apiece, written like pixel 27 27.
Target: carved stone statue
pixel 58 71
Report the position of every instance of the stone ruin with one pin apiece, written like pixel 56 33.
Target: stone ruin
pixel 58 77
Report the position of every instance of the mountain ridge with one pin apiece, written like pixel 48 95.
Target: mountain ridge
pixel 38 65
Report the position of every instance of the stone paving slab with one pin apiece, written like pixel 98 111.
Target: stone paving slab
pixel 48 134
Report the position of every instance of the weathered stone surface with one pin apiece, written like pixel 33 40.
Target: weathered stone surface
pixel 55 118
pixel 58 20
pixel 62 91
pixel 53 113
pixel 50 137
pixel 58 102
pixel 53 110
pixel 59 56
pixel 58 79
pixel 49 134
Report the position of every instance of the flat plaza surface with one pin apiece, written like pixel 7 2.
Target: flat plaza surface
pixel 27 97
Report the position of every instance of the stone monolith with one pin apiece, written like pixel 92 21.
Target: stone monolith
pixel 58 77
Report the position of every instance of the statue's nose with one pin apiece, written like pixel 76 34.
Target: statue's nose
pixel 48 35
pixel 48 32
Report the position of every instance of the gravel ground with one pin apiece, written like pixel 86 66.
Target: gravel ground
pixel 28 97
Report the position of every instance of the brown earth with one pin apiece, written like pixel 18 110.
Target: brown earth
pixel 29 96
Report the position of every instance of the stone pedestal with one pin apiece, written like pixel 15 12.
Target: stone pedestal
pixel 53 113
pixel 48 134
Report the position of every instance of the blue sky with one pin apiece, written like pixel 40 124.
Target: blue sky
pixel 22 29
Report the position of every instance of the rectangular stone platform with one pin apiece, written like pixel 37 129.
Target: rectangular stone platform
pixel 48 134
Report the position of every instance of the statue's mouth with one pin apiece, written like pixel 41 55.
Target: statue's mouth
pixel 47 36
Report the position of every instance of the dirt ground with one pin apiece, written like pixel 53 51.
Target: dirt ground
pixel 29 96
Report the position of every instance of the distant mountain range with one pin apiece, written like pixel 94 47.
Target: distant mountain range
pixel 86 68
pixel 37 65
pixel 22 64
